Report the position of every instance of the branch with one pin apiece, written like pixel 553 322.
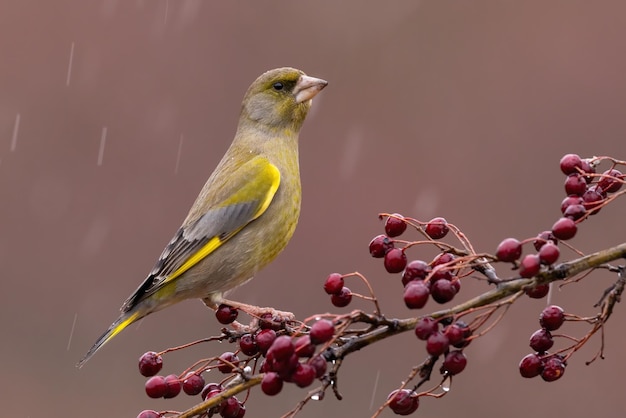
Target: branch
pixel 203 407
pixel 505 292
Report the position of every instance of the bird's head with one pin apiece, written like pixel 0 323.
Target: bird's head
pixel 281 98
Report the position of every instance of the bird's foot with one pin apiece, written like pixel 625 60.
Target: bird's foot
pixel 239 327
pixel 261 313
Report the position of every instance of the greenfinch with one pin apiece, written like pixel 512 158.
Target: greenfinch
pixel 246 212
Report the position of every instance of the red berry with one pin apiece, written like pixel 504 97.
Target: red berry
pixel 172 386
pixel 509 250
pixel 322 331
pixel 271 384
pixel 593 198
pixel 549 253
pixel 282 348
pixel 266 366
pixel 529 266
pixel 553 369
pixel 155 387
pixel 212 394
pixel 303 347
pixel 442 258
pixel 319 364
pixel 437 344
pixel 543 238
pixel 467 333
pixel 150 363
pixel 575 212
pixel 455 362
pixel 440 273
pixel 564 229
pixel 304 375
pixel 530 366
pixel 425 327
pixel 264 339
pixel 395 260
pixel 575 184
pixel 148 413
pixel 403 402
pixel 416 294
pixel 415 270
pixel 588 169
pixel 226 314
pixel 395 225
pixel 193 384
pixel 552 317
pixel 380 245
pixel 538 291
pixel 242 411
pixel 230 358
pixel 211 387
pixel 456 333
pixel 541 340
pixel 437 228
pixel 443 291
pixel 230 408
pixel 610 181
pixel 570 163
pixel 570 200
pixel 285 367
pixel 341 299
pixel 248 345
pixel 333 283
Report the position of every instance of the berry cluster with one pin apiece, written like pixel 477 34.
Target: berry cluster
pixel 586 193
pixel 438 279
pixel 192 383
pixel 541 363
pixel 449 342
pixel 340 295
pixel 286 359
pixel 546 245
pixel 293 359
pixel 439 341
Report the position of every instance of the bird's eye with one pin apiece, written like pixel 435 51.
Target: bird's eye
pixel 278 86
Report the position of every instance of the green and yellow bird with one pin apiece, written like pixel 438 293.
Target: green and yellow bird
pixel 246 212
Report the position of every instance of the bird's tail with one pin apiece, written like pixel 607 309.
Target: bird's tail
pixel 116 327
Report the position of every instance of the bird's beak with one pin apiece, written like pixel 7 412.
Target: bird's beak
pixel 307 87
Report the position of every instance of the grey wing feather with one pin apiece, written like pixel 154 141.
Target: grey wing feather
pixel 220 222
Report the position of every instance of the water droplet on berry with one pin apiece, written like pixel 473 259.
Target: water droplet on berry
pixel 446 385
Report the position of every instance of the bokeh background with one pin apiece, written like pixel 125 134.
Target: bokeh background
pixel 113 113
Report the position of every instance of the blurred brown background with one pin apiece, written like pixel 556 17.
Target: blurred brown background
pixel 455 109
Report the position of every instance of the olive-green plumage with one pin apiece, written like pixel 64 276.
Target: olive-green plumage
pixel 246 212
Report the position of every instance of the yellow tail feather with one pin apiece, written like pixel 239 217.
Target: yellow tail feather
pixel 122 322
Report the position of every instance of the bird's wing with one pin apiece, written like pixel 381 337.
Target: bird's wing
pixel 253 187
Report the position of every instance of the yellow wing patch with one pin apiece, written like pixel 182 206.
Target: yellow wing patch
pixel 268 178
pixel 274 175
pixel 205 250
